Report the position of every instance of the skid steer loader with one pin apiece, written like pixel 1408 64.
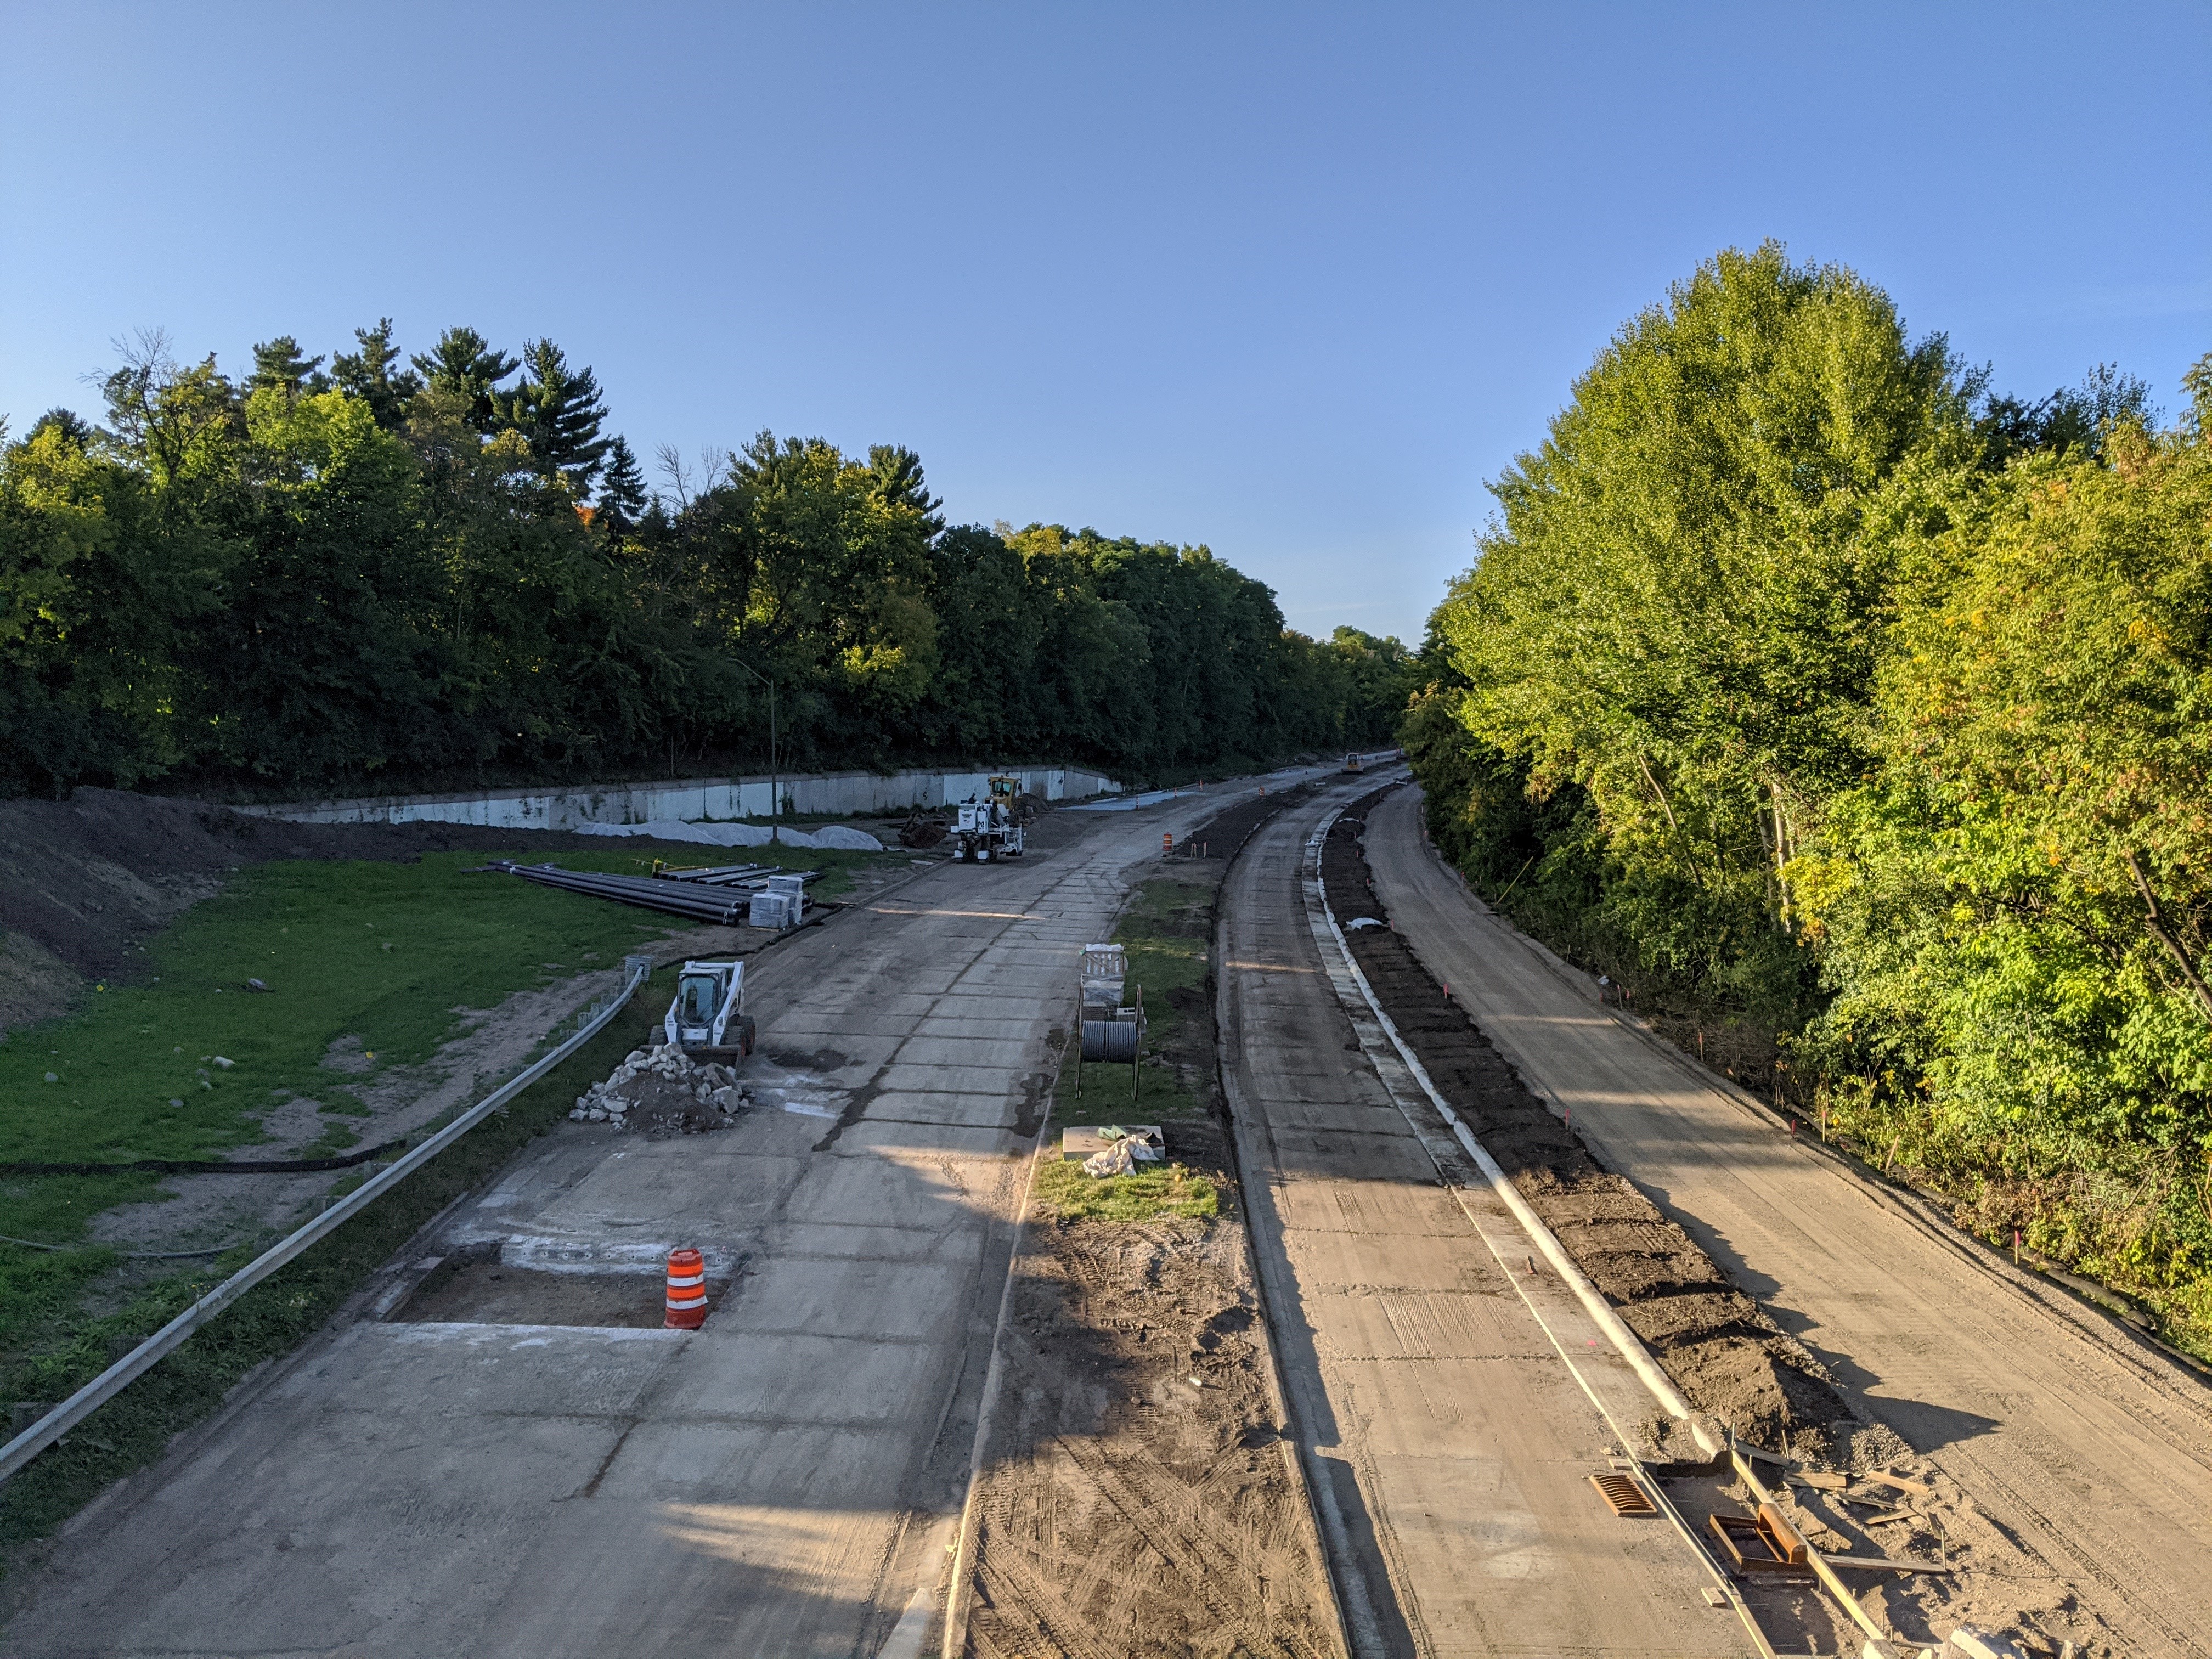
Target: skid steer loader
pixel 707 1020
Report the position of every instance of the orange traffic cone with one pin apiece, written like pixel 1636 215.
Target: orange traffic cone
pixel 687 1289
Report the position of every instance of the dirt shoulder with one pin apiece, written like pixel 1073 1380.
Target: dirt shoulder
pixel 1139 1494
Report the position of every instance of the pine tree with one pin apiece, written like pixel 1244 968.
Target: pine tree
pixel 622 490
pixel 462 363
pixel 278 363
pixel 367 375
pixel 558 412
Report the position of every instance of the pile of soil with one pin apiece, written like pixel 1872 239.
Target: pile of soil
pixel 1140 1498
pixel 83 881
pixel 1721 1348
pixel 1219 838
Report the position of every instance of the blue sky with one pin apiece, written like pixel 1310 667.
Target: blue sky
pixel 1292 282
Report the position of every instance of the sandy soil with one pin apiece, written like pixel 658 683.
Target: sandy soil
pixel 1140 1499
pixel 1138 1496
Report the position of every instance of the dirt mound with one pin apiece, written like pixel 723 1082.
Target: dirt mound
pixel 1723 1352
pixel 1139 1500
pixel 83 881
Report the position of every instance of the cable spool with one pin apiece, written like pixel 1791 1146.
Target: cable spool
pixel 1110 1039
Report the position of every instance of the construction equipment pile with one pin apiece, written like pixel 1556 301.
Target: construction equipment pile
pixel 663 1089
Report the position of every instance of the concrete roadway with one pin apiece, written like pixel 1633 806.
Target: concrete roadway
pixel 1447 1406
pixel 779 1483
pixel 2091 1447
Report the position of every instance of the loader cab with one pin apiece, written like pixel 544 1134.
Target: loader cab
pixel 708 1016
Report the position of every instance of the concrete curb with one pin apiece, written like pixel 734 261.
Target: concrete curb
pixel 2105 1325
pixel 1600 1311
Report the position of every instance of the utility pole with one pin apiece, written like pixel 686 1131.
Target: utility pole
pixel 774 780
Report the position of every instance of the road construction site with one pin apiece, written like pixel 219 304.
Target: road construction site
pixel 1514 1332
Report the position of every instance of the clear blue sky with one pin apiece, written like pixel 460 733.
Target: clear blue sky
pixel 1292 282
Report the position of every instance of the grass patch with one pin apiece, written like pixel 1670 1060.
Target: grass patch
pixel 1165 927
pixel 380 955
pixel 270 1320
pixel 1064 1192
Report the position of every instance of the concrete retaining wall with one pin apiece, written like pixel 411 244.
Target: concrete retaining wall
pixel 815 794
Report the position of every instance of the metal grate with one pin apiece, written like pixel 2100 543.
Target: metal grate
pixel 1626 1498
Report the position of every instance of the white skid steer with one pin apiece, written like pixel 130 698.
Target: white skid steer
pixel 707 1020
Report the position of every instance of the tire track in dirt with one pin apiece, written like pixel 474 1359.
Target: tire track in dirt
pixel 1124 1511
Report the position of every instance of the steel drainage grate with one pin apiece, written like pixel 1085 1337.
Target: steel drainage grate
pixel 1625 1497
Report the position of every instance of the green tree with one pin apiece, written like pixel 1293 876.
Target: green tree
pixel 558 412
pixel 279 365
pixel 623 496
pixel 367 374
pixel 1682 609
pixel 464 367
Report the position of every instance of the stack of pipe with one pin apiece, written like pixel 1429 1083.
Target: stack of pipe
pixel 724 906
pixel 720 875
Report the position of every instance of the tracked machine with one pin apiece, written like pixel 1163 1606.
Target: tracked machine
pixel 992 826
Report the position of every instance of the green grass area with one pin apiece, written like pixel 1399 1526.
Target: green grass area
pixel 1165 927
pixel 384 954
pixel 274 1316
pixel 1066 1192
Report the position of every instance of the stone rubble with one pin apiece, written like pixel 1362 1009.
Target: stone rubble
pixel 712 1084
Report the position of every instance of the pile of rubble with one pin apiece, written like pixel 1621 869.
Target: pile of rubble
pixel 662 1087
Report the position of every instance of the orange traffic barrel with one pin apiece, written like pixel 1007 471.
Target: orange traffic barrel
pixel 687 1289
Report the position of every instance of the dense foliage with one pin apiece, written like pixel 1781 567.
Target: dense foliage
pixel 1855 720
pixel 393 575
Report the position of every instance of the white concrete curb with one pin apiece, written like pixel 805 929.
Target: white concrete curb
pixel 1593 1303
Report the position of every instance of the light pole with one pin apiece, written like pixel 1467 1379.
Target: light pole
pixel 775 783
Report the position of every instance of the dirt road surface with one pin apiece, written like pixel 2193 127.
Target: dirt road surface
pixel 2089 1450
pixel 517 1468
pixel 1448 1436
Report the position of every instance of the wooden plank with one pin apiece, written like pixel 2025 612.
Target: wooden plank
pixel 1888 1563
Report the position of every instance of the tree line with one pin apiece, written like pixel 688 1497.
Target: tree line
pixel 1853 717
pixel 400 572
